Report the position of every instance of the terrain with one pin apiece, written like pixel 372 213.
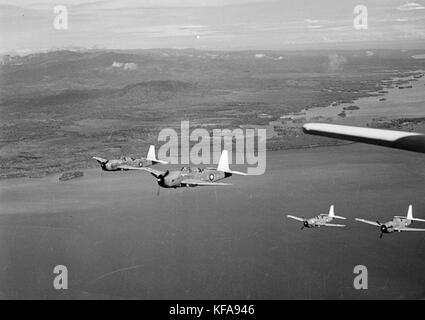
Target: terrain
pixel 58 109
pixel 119 239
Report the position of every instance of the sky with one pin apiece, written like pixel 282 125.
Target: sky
pixel 27 25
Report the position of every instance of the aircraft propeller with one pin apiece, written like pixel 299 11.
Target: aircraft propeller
pixel 160 180
pixel 305 223
pixel 103 164
pixel 383 229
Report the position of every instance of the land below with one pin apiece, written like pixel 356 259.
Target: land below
pixel 58 109
pixel 119 239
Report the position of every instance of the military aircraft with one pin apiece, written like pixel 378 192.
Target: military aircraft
pixel 128 163
pixel 322 220
pixel 398 224
pixel 193 177
pixel 388 138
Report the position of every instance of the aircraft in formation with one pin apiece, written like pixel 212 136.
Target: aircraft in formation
pixel 411 141
pixel 321 220
pixel 128 163
pixel 193 176
pixel 398 224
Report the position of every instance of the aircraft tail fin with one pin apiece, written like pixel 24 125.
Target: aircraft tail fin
pixel 152 157
pixel 332 213
pixel 223 164
pixel 410 215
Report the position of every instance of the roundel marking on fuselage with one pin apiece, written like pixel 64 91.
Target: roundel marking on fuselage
pixel 211 177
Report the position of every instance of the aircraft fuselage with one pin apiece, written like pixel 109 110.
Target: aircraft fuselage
pixel 317 221
pixel 175 179
pixel 397 222
pixel 113 165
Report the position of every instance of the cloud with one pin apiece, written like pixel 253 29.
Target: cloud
pixel 336 61
pixel 314 26
pixel 123 65
pixel 117 64
pixel 130 66
pixel 409 6
pixel 203 24
pixel 175 30
pixel 125 4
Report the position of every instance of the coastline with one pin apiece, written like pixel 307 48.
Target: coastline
pixel 300 141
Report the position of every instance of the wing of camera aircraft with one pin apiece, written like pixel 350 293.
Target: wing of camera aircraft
pixel 388 138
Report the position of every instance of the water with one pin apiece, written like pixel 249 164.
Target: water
pixel 119 240
pixel 399 103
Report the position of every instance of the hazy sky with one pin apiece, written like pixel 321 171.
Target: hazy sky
pixel 207 24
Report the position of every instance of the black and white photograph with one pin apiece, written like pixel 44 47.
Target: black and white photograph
pixel 196 151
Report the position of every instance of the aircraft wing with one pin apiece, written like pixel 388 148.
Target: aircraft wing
pixel 408 229
pixel 413 219
pixel 237 172
pixel 333 225
pixel 160 161
pixel 194 182
pixel 100 160
pixel 388 138
pixel 127 167
pixel 373 223
pixel 154 172
pixel 295 218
